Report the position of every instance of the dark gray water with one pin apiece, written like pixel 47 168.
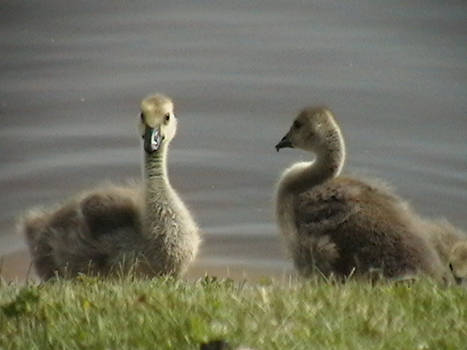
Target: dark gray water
pixel 73 73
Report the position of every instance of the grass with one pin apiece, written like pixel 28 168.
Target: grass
pixel 88 313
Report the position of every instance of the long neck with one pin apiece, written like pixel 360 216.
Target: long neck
pixel 155 170
pixel 158 192
pixel 327 165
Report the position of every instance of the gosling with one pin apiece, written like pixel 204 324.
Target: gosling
pixel 458 262
pixel 146 230
pixel 342 226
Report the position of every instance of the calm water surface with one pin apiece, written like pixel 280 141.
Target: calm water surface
pixel 72 76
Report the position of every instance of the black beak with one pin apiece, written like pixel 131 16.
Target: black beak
pixel 152 139
pixel 284 143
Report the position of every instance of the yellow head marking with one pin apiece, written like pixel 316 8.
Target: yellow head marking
pixel 155 109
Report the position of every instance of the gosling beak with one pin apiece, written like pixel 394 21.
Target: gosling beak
pixel 152 139
pixel 284 143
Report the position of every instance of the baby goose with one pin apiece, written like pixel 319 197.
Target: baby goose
pixel 443 236
pixel 340 225
pixel 458 262
pixel 148 230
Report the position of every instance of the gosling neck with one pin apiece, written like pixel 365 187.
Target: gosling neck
pixel 158 191
pixel 158 194
pixel 155 169
pixel 328 164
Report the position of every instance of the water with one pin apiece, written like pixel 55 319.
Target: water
pixel 73 73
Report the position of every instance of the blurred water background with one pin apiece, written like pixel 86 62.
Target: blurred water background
pixel 73 73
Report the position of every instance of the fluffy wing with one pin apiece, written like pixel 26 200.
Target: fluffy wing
pixel 327 206
pixel 92 227
pixel 107 212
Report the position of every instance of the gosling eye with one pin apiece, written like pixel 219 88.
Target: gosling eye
pixel 297 124
pixel 167 117
pixel 142 116
pixel 450 266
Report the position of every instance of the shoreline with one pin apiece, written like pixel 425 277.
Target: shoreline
pixel 16 267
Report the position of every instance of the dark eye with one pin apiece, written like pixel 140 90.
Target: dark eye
pixel 167 117
pixel 297 124
pixel 142 116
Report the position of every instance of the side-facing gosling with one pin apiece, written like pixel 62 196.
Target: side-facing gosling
pixel 340 225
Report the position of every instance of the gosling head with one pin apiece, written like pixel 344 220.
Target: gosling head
pixel 157 122
pixel 314 130
pixel 458 261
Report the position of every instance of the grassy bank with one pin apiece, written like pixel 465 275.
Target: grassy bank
pixel 165 314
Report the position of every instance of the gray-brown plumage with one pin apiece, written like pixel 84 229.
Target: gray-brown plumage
pixel 340 225
pixel 146 229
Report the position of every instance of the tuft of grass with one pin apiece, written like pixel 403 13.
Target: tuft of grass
pixel 175 314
